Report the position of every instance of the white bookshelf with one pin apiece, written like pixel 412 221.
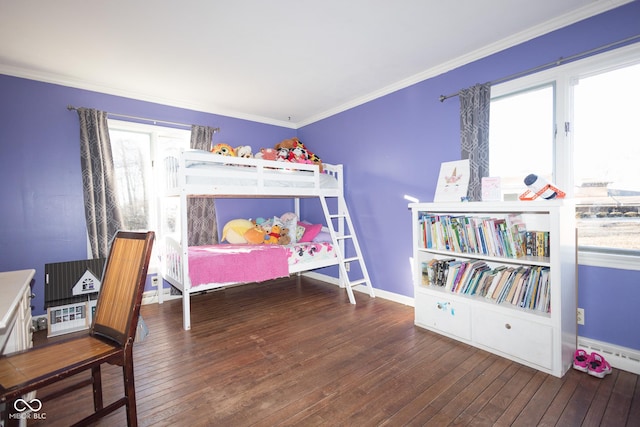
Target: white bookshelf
pixel 544 340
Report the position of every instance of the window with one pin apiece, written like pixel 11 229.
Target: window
pixel 138 150
pixel 607 158
pixel 574 125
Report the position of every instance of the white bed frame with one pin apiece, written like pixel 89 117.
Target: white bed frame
pixel 212 179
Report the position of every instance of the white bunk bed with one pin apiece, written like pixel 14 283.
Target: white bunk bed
pixel 196 173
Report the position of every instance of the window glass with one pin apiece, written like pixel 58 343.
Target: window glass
pixel 606 159
pixel 521 137
pixel 139 151
pixel 132 163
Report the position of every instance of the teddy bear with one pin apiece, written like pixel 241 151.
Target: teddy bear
pixel 223 150
pixel 285 238
pixel 244 151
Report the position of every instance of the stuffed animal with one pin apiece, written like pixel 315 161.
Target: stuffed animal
pixel 266 154
pixel 223 150
pixel 282 155
pixel 298 152
pixel 284 239
pixel 274 235
pixel 290 222
pixel 255 235
pixel 234 231
pixel 243 151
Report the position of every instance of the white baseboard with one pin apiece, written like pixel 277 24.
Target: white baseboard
pixel 401 299
pixel 151 297
pixel 619 357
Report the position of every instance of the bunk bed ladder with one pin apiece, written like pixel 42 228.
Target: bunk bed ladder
pixel 346 242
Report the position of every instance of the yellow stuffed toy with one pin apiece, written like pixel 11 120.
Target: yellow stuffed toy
pixel 223 150
pixel 255 235
pixel 234 231
pixel 274 235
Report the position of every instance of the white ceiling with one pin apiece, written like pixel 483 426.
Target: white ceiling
pixel 286 62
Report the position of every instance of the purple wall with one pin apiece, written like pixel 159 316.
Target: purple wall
pixel 394 146
pixel 391 146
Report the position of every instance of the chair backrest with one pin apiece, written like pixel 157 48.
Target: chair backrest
pixel 123 280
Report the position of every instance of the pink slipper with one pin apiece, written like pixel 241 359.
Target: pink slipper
pixel 580 360
pixel 597 366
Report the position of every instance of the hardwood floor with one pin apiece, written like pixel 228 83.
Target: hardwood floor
pixel 297 353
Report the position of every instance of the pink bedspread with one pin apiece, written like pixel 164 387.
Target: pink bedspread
pixel 236 263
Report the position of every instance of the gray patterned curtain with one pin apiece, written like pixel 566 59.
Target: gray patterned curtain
pixel 201 211
pixel 474 134
pixel 98 181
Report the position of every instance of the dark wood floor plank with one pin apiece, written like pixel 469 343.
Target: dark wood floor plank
pixel 294 352
pixel 540 402
pixel 618 408
pixel 437 381
pixel 576 410
pixel 522 399
pixel 476 393
pixel 560 400
pixel 485 404
pixel 633 418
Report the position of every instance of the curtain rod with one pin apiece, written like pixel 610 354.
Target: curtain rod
pixel 555 63
pixel 154 121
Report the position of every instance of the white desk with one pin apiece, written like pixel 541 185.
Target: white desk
pixel 15 310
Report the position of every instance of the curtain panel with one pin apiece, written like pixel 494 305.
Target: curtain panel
pixel 474 135
pixel 102 212
pixel 201 211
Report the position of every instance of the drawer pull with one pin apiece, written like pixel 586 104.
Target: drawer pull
pixel 508 326
pixel 32 296
pixel 442 305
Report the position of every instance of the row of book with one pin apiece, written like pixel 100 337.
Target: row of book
pixel 501 237
pixel 522 286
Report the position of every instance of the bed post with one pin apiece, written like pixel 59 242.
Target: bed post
pixel 184 246
pixel 296 207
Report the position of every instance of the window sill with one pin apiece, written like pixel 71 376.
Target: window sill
pixel 606 260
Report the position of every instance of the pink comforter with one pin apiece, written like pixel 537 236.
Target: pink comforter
pixel 236 263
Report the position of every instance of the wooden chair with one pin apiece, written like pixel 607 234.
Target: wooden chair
pixel 110 340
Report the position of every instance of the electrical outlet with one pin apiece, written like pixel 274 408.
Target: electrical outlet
pixel 155 280
pixel 580 316
pixel 347 266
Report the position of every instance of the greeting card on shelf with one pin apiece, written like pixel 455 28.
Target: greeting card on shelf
pixel 453 181
pixel 491 189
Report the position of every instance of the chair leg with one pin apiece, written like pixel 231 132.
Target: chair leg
pixel 130 389
pixel 8 407
pixel 97 388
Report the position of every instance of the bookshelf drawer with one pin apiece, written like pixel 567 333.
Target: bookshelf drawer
pixel 444 314
pixel 526 340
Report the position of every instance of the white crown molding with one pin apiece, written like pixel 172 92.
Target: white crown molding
pixel 94 87
pixel 593 9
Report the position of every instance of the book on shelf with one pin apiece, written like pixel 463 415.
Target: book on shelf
pixel 492 236
pixel 524 286
pixel 537 243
